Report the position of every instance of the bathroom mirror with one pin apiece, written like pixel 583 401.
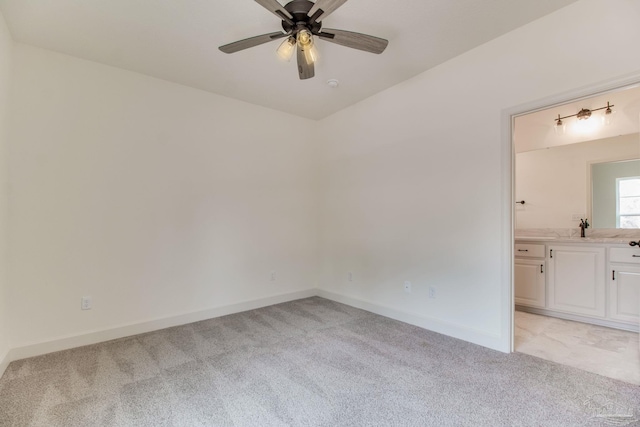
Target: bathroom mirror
pixel 591 169
pixel 615 194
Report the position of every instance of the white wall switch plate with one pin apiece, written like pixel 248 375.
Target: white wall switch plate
pixel 273 276
pixel 433 292
pixel 350 276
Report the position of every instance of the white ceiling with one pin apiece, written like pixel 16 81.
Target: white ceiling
pixel 536 130
pixel 177 40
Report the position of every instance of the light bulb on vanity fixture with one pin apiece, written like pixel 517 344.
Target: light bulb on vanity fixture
pixel 607 116
pixel 585 123
pixel 560 127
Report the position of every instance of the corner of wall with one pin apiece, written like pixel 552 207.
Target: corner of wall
pixel 4 363
pixel 123 331
pixel 6 53
pixel 474 336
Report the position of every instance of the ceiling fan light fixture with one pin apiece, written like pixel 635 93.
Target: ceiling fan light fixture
pixel 286 49
pixel 301 20
pixel 311 54
pixel 305 38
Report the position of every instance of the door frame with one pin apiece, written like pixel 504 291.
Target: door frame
pixel 508 117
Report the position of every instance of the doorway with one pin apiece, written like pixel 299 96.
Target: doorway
pixel 565 306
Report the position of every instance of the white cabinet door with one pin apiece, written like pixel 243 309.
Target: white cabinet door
pixel 529 282
pixel 624 293
pixel 576 280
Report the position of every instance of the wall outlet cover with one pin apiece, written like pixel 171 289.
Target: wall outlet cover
pixel 407 287
pixel 86 303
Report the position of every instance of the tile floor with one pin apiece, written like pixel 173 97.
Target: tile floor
pixel 605 351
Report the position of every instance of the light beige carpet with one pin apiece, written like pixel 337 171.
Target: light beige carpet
pixel 310 362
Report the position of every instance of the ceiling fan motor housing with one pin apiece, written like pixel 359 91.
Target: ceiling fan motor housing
pixel 299 10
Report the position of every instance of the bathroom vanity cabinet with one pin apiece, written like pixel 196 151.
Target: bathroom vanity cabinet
pixel 529 273
pixel 576 279
pixel 624 284
pixel 587 281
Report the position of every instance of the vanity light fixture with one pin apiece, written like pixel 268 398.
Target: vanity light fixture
pixel 584 114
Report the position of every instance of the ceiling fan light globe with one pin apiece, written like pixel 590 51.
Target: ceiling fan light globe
pixel 311 54
pixel 305 38
pixel 286 49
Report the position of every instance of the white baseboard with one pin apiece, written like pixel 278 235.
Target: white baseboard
pixel 4 362
pixel 475 336
pixel 631 327
pixel 65 343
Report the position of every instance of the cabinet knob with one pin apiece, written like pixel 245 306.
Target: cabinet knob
pixel 632 243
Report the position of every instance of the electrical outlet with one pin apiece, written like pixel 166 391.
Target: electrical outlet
pixel 350 276
pixel 85 303
pixel 273 276
pixel 577 217
pixel 407 287
pixel 433 292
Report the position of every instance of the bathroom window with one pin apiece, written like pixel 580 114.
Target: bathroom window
pixel 628 197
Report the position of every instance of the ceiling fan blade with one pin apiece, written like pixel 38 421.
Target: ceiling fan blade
pixel 306 70
pixel 327 6
pixel 354 40
pixel 276 8
pixel 251 42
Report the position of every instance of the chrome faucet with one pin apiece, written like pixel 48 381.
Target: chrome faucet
pixel 584 224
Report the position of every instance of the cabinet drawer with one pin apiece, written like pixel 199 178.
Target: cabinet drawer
pixel 628 255
pixel 528 250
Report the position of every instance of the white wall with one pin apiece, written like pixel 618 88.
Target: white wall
pixel 414 181
pixel 156 199
pixel 153 198
pixel 6 56
pixel 554 182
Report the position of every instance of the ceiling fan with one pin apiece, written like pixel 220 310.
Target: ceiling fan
pixel 301 21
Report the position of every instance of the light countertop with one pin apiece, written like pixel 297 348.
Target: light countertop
pixel 577 239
